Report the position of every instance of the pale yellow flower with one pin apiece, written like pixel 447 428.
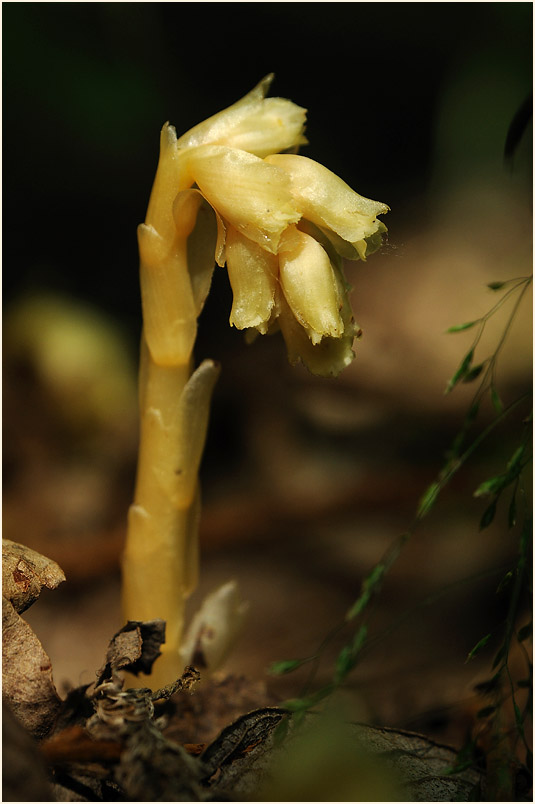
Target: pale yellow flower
pixel 283 224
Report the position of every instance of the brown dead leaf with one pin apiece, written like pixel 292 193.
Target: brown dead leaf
pixel 74 744
pixel 241 738
pixel 327 759
pixel 27 682
pixel 134 648
pixel 24 573
pixel 425 766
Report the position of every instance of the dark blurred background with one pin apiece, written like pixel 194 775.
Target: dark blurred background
pixel 87 87
pixel 305 481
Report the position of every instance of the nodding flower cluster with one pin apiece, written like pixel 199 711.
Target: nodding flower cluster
pixel 233 191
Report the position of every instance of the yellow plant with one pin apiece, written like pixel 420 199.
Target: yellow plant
pixel 230 191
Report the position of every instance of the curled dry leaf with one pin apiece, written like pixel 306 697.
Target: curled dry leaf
pixel 134 648
pixel 150 767
pixel 24 573
pixel 108 737
pixel 27 683
pixel 240 756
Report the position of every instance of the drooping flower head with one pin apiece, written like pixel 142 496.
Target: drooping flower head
pixel 281 223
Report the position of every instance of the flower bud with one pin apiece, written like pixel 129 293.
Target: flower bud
pixel 309 285
pixel 253 274
pixel 255 124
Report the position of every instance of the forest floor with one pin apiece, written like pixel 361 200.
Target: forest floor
pixel 306 484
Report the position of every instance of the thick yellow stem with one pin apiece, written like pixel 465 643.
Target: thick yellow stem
pixel 160 562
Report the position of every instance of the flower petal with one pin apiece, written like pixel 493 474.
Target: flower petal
pixel 255 124
pixel 326 200
pixel 253 276
pixel 309 285
pixel 252 195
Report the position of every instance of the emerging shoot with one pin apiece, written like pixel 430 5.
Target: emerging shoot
pixel 226 194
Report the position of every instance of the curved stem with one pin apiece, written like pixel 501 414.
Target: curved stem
pixel 160 560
